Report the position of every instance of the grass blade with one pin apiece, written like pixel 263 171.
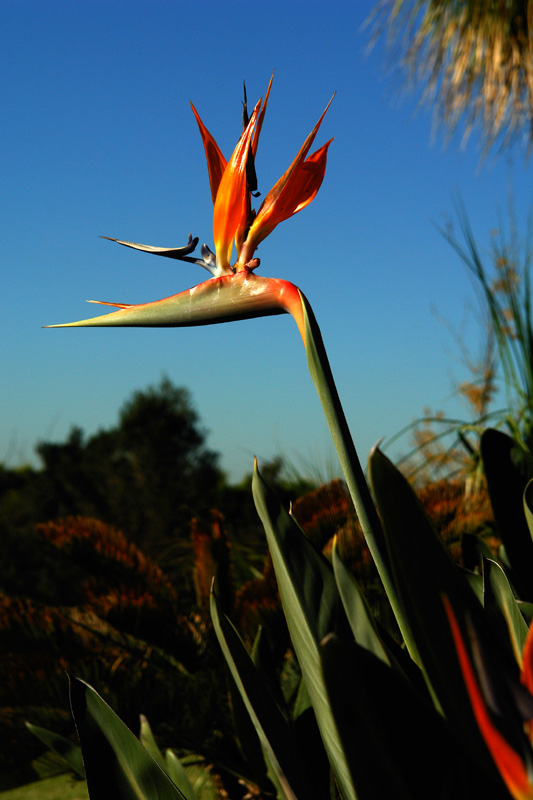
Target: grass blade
pixel 116 763
pixel 312 608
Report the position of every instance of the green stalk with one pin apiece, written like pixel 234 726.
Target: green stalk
pixel 320 371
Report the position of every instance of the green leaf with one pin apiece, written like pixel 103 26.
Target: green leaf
pixel 313 609
pixel 247 736
pixel 527 610
pixel 473 550
pixel 397 745
pixel 148 741
pixel 169 762
pixel 357 611
pixel 498 592
pixel 273 731
pixel 49 765
pixel 367 632
pixel 116 763
pixel 178 774
pixel 475 581
pixel 63 747
pixel 265 663
pixel 508 469
pixel 528 506
pixel 320 371
pixel 424 572
pixel 302 701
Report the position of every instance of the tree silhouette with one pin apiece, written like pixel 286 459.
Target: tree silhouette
pixel 149 475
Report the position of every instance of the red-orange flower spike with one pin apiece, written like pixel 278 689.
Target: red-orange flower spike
pixel 231 203
pixel 255 140
pixel 216 163
pixel 295 189
pixel 302 189
pixel 509 764
pixel 233 218
pixel 310 176
pixel 242 230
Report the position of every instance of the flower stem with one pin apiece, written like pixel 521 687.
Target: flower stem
pixel 365 509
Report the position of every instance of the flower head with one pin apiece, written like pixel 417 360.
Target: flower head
pixel 233 182
pixel 234 292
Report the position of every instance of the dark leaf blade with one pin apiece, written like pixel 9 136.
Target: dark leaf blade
pixel 424 572
pixel 177 773
pixel 312 608
pixel 357 611
pixel 508 469
pixel 147 739
pixel 60 745
pixel 272 729
pixel 498 593
pixel 528 506
pixel 116 763
pixel 397 744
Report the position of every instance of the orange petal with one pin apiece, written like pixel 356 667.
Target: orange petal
pixel 216 163
pixel 311 175
pixel 255 140
pixel 244 225
pixel 231 206
pixel 299 191
pixel 294 190
pixel 510 765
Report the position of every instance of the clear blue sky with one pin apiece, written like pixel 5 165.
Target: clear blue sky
pixel 98 138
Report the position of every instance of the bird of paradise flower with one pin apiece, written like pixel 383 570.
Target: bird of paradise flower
pixel 235 292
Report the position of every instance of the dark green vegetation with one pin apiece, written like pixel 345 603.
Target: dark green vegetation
pixel 115 589
pixel 127 609
pixel 283 682
pixel 60 787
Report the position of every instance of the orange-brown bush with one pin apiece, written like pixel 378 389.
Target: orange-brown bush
pixel 122 630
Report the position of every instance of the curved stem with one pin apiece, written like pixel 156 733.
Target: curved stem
pixel 322 376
